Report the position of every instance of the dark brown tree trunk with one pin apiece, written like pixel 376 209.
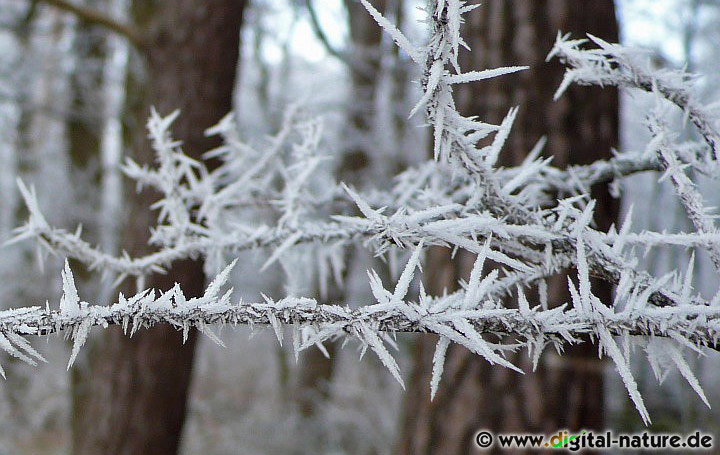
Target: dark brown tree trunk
pixel 366 37
pixel 84 138
pixel 565 392
pixel 138 387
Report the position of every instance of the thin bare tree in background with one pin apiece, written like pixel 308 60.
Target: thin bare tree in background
pixel 363 61
pixel 136 404
pixel 581 127
pixel 38 89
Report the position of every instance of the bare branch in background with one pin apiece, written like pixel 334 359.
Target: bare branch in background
pixel 94 17
pixel 343 56
pixel 322 36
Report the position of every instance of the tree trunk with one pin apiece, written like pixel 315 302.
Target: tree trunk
pixel 138 387
pixel 567 392
pixel 366 38
pixel 83 130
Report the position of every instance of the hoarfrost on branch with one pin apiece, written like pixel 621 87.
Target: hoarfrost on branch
pixel 532 221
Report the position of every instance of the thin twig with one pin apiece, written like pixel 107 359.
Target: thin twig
pixel 94 17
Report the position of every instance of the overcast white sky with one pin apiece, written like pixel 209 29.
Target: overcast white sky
pixel 651 23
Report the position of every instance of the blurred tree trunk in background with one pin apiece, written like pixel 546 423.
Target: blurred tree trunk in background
pixel 137 392
pixel 365 54
pixel 580 127
pixel 84 129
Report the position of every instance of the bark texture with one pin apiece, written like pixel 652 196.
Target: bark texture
pixel 137 393
pixel 565 392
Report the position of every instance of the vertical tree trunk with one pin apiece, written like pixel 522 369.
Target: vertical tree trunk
pixel 83 131
pixel 366 38
pixel 565 392
pixel 137 395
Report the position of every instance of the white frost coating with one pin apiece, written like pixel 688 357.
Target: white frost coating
pixel 532 220
pixel 621 364
pixel 438 364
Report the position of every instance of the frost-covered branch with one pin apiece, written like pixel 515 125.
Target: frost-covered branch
pixel 686 191
pixel 532 221
pixel 613 65
pixel 150 307
pixel 462 317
